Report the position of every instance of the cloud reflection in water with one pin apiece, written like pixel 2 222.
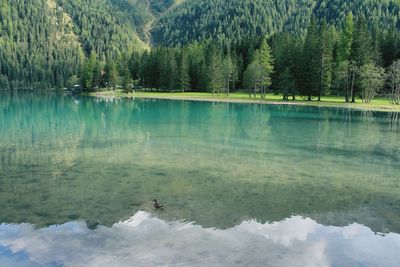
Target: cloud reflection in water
pixel 145 240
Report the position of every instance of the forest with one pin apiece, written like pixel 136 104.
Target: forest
pixel 43 43
pixel 353 61
pixel 308 48
pixel 231 21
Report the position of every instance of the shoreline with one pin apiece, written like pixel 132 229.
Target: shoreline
pixel 240 99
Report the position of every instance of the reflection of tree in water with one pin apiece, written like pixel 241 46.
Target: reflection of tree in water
pixel 215 163
pixel 394 121
pixel 58 152
pixel 346 159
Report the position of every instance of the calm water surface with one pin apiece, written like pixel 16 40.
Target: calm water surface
pixel 243 184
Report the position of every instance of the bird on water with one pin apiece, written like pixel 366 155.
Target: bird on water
pixel 157 205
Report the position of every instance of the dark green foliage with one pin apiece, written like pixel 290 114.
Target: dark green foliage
pixel 285 83
pixel 361 49
pixel 346 39
pixel 159 6
pixel 134 65
pixel 90 72
pixel 43 43
pixel 37 46
pixel 267 65
pixel 287 52
pixel 326 45
pixel 311 62
pixel 215 72
pixel 252 77
pixel 110 75
pixel 183 73
pixel 126 78
pixel 231 21
pixel 107 27
pixel 57 43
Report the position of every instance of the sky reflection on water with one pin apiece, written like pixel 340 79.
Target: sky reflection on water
pixel 145 240
pixel 66 161
pixel 218 164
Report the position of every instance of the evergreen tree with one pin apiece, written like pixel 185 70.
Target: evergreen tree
pixel 253 77
pixel 126 78
pixel 361 53
pixel 111 75
pixel 184 79
pixel 88 77
pixel 230 73
pixel 134 65
pixel 163 62
pixel 390 45
pixel 326 60
pixel 286 83
pixel 361 49
pixel 97 76
pixel 215 72
pixel 62 34
pixel 346 39
pixel 229 24
pixel 311 62
pixel 144 71
pixel 173 68
pixel 285 50
pixel 267 64
pixel 344 71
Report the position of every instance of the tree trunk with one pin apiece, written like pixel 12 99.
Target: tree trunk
pixel 227 90
pixel 321 81
pixel 353 100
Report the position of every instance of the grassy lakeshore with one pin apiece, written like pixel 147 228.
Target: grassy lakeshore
pixel 378 104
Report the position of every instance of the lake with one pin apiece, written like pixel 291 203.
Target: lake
pixel 242 184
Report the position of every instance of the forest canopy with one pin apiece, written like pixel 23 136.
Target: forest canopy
pixel 206 45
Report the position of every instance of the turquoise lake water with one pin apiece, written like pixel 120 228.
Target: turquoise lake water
pixel 242 184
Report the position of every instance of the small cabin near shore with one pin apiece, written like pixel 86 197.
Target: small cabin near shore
pixel 76 89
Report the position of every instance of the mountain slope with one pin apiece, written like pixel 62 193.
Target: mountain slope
pixel 37 44
pixel 44 42
pixel 107 27
pixel 227 21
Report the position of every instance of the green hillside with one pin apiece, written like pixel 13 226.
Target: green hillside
pixel 196 20
pixel 107 27
pixel 44 43
pixel 38 45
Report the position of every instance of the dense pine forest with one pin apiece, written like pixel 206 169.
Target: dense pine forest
pixel 293 47
pixel 231 21
pixel 43 43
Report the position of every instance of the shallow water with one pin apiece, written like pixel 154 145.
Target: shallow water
pixel 243 184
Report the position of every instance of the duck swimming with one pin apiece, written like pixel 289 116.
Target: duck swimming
pixel 157 205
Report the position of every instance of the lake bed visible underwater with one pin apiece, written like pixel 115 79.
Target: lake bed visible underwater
pixel 242 184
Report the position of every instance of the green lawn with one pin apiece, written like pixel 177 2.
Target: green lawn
pixel 326 101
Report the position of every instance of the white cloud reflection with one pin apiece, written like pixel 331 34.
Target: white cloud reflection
pixel 145 240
